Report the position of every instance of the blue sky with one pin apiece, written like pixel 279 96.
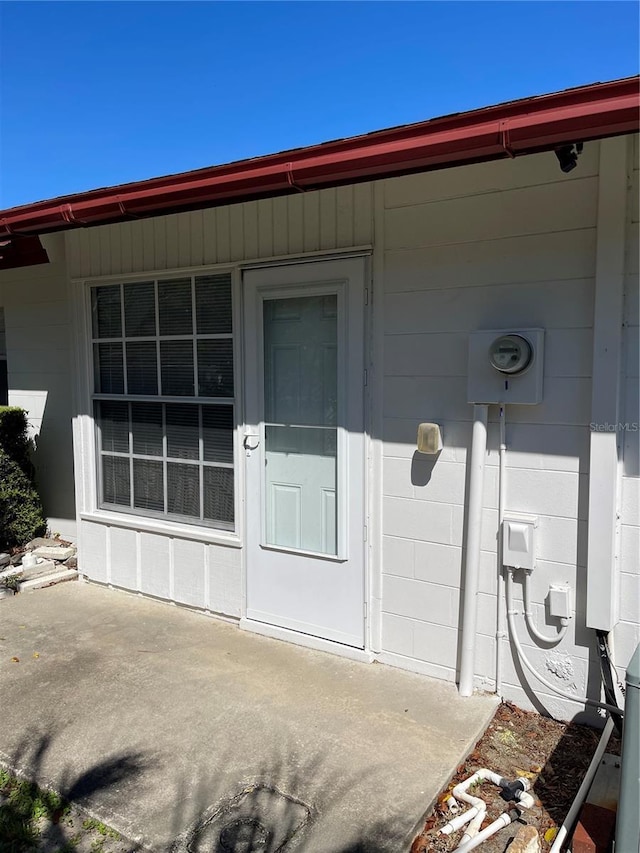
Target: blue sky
pixel 100 93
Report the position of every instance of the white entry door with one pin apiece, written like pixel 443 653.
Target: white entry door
pixel 304 443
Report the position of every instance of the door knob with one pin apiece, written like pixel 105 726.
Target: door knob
pixel 251 441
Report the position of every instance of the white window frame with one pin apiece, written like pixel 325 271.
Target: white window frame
pixel 90 507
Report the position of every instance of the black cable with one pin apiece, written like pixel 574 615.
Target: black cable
pixel 607 678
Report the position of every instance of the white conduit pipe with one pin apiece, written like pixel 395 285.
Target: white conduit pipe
pixel 501 632
pixel 583 790
pixel 528 615
pixel 511 613
pixel 472 556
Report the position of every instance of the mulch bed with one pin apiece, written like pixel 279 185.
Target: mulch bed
pixel 553 756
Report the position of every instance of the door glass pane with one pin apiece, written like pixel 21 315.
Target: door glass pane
pixel 301 378
pixel 301 414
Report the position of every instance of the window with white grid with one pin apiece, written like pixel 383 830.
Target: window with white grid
pixel 164 397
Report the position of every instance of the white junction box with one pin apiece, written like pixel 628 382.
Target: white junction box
pixel 506 366
pixel 560 601
pixel 519 541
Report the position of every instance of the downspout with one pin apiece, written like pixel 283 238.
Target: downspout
pixel 501 632
pixel 472 555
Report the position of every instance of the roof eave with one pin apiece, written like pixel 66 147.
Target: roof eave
pixel 518 128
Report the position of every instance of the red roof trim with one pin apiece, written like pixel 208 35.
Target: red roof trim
pixel 506 130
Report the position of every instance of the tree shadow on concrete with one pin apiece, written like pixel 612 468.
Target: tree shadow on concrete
pixel 31 797
pixel 275 807
pixel 282 804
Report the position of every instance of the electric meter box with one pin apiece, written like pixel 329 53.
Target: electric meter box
pixel 506 366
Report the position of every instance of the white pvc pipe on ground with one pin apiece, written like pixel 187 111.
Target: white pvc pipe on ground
pixel 459 821
pixel 478 809
pixel 472 555
pixel 504 820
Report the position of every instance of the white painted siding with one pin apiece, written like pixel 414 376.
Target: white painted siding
pixel 507 244
pixel 38 340
pixel 182 569
pixel 189 572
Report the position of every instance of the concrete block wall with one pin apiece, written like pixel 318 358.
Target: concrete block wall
pixel 627 632
pixel 39 363
pixel 501 245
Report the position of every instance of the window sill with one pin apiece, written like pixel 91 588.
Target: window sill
pixel 164 528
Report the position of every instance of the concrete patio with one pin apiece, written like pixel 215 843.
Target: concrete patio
pixel 185 732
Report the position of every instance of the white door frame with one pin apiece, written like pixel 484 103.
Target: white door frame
pixel 274 282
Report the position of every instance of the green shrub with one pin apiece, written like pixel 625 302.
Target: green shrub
pixel 14 439
pixel 21 515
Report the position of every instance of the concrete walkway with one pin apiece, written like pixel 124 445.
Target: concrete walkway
pixel 180 730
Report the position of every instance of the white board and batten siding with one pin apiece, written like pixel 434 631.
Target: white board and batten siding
pixel 292 225
pixel 202 574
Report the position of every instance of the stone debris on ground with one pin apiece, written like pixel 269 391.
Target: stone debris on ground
pixel 527 840
pixel 40 563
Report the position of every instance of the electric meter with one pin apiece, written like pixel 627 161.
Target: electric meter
pixel 510 354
